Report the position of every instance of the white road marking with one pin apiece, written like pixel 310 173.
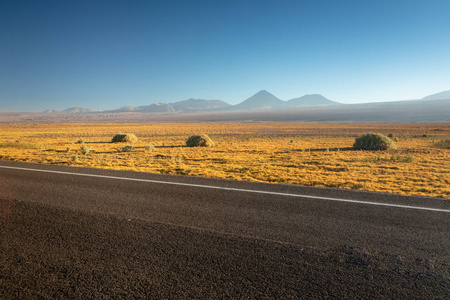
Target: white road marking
pixel 233 189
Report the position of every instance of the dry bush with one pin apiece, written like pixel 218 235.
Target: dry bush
pixel 373 141
pixel 85 150
pixel 128 148
pixel 150 147
pixel 124 138
pixel 444 144
pixel 202 140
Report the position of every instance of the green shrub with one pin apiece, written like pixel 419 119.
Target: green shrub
pixel 85 150
pixel 199 141
pixel 373 141
pixel 128 148
pixel 81 141
pixel 124 138
pixel 75 158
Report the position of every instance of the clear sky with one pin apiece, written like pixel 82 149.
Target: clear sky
pixel 107 54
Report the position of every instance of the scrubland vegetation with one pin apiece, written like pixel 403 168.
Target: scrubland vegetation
pixel 307 154
pixel 374 141
pixel 202 140
pixel 444 144
pixel 121 138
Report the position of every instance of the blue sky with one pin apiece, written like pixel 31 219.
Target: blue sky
pixel 106 54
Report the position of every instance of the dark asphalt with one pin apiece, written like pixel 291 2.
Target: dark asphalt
pixel 302 221
pixel 279 220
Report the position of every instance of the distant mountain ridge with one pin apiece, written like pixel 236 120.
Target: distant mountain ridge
pixel 75 110
pixel 438 96
pixel 71 110
pixel 125 108
pixel 190 105
pixel 198 104
pixel 262 100
pixel 156 108
pixel 265 100
pixel 310 100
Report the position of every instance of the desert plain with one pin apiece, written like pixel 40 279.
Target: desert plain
pixel 311 154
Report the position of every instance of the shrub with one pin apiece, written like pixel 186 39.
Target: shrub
pixel 81 141
pixel 124 138
pixel 150 147
pixel 373 141
pixel 75 158
pixel 128 148
pixel 444 144
pixel 85 150
pixel 199 141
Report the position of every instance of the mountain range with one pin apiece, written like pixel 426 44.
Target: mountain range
pixel 263 100
pixel 263 106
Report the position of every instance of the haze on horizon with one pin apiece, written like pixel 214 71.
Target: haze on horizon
pixel 107 54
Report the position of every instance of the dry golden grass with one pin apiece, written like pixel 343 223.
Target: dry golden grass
pixel 307 154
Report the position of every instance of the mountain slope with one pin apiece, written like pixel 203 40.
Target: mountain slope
pixel 261 100
pixel 310 100
pixel 77 110
pixel 198 105
pixel 125 108
pixel 441 95
pixel 156 107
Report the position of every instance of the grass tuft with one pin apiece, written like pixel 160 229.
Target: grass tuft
pixel 85 150
pixel 128 148
pixel 150 147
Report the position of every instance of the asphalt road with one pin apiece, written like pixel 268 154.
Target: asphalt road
pixel 334 226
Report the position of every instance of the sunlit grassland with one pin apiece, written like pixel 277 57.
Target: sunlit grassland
pixel 307 154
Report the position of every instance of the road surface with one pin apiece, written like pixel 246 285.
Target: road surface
pixel 81 232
